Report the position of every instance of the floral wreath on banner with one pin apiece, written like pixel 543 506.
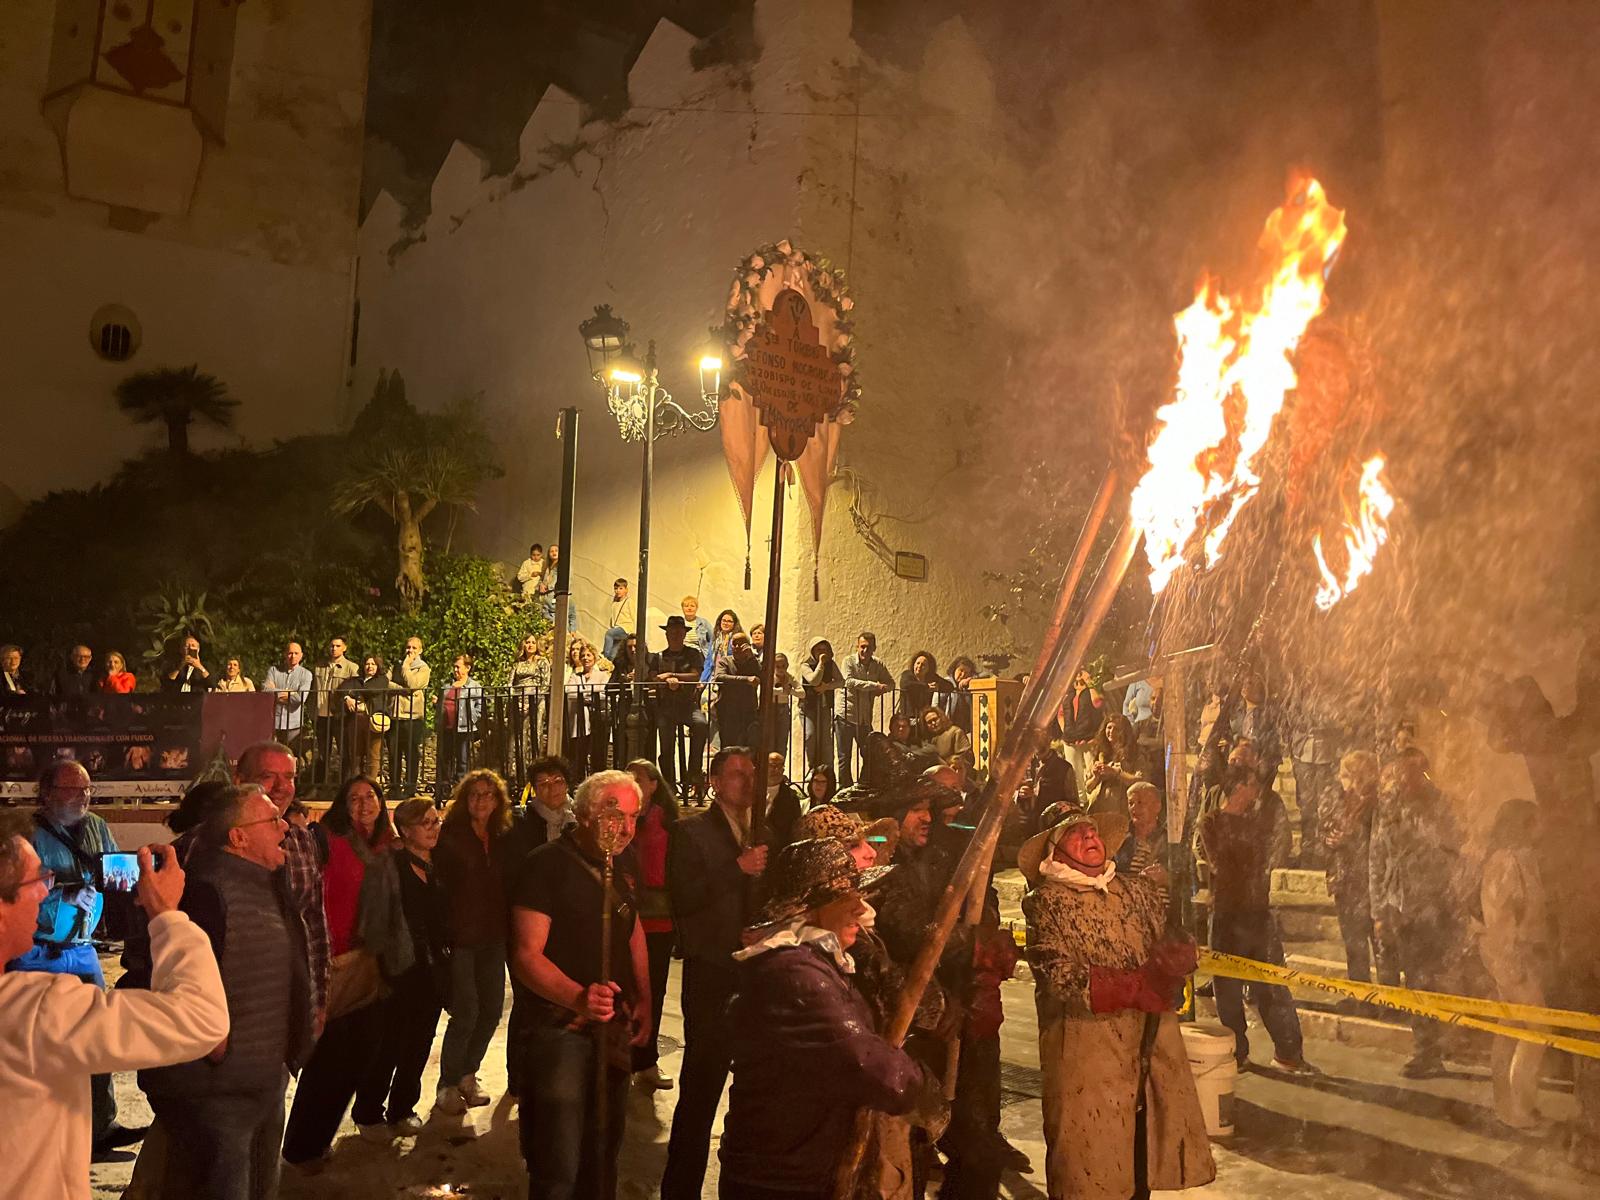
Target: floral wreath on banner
pixel 827 285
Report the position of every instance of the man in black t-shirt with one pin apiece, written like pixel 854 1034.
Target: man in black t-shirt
pixel 570 1007
pixel 676 671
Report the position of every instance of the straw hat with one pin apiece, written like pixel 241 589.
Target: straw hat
pixel 808 874
pixel 1113 828
pixel 828 821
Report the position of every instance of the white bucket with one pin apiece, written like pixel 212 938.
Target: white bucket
pixel 1209 1049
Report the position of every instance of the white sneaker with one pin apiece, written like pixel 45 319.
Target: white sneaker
pixel 407 1127
pixel 376 1133
pixel 474 1095
pixel 449 1100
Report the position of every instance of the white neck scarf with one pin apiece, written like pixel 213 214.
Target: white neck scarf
pixel 1061 872
pixel 798 933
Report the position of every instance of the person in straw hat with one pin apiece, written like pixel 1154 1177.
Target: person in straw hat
pixel 805 1056
pixel 1120 1111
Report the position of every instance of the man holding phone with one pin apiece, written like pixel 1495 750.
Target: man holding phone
pixel 58 1030
pixel 190 675
pixel 70 840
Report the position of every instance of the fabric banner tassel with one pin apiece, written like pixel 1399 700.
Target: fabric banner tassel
pixel 747 566
pixel 816 585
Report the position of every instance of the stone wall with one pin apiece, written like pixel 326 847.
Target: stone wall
pixel 868 165
pixel 225 223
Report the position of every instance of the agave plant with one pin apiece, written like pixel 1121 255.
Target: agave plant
pixel 171 613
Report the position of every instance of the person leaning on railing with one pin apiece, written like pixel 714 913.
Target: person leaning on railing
pixel 412 674
pixel 460 714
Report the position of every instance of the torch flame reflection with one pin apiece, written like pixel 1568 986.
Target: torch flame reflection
pixel 1364 535
pixel 1234 371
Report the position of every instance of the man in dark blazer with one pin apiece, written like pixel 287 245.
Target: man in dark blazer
pixel 710 868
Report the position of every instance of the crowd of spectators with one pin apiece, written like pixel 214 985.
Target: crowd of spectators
pixel 432 900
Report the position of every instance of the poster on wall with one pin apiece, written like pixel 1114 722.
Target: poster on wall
pixel 131 745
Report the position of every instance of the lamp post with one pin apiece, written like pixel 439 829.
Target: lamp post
pixel 644 411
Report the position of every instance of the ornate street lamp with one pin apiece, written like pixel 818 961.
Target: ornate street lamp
pixel 644 411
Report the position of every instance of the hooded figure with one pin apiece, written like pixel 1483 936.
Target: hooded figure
pixel 1102 970
pixel 805 1056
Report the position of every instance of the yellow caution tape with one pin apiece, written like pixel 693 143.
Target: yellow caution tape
pixel 1462 1011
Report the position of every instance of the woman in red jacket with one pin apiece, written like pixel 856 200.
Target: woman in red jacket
pixel 657 812
pixel 118 680
pixel 361 897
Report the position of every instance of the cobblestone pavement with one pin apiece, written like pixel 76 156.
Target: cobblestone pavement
pixel 1359 1132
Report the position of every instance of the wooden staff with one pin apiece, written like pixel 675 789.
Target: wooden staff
pixel 1071 577
pixel 1045 693
pixel 607 833
pixel 769 664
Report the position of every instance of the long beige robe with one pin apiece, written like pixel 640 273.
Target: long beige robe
pixel 1090 1062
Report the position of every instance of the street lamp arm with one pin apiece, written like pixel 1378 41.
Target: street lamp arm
pixel 672 417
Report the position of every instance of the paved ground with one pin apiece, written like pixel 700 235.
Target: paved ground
pixel 1359 1131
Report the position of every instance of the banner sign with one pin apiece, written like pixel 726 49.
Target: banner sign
pixel 790 375
pixel 151 740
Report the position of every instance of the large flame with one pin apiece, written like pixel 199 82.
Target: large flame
pixel 1365 532
pixel 1234 371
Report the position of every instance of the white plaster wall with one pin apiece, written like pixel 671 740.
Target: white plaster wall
pixel 651 217
pixel 254 283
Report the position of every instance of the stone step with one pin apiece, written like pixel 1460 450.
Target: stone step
pixel 1307 925
pixel 1300 889
pixel 1326 1025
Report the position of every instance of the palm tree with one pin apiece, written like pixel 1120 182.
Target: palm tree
pixel 407 484
pixel 176 397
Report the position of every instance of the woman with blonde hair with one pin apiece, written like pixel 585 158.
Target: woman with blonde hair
pixel 118 680
pixel 588 730
pixel 470 862
pixel 530 683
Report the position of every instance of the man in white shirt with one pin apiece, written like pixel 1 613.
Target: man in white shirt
pixel 621 614
pixel 58 1030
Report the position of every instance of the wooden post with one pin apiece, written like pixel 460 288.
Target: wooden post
pixel 567 430
pixel 769 657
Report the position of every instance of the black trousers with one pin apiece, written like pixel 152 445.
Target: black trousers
pixel 707 1057
pixel 561 1143
pixel 972 1142
pixel 659 947
pixel 1423 950
pixel 328 1083
pixel 409 1021
pixel 221 1147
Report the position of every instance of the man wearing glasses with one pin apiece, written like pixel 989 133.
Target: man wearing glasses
pixel 69 840
pixel 58 1031
pixel 222 1111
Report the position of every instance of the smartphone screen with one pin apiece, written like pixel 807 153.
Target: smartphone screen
pixel 119 871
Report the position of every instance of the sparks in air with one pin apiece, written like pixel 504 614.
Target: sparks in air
pixel 1365 532
pixel 1235 368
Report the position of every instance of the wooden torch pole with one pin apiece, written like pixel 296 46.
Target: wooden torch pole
pixel 1070 579
pixel 769 658
pixel 1046 692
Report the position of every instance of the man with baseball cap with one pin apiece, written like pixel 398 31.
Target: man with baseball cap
pixel 1120 1111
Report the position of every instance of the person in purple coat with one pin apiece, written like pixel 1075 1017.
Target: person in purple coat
pixel 805 1056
